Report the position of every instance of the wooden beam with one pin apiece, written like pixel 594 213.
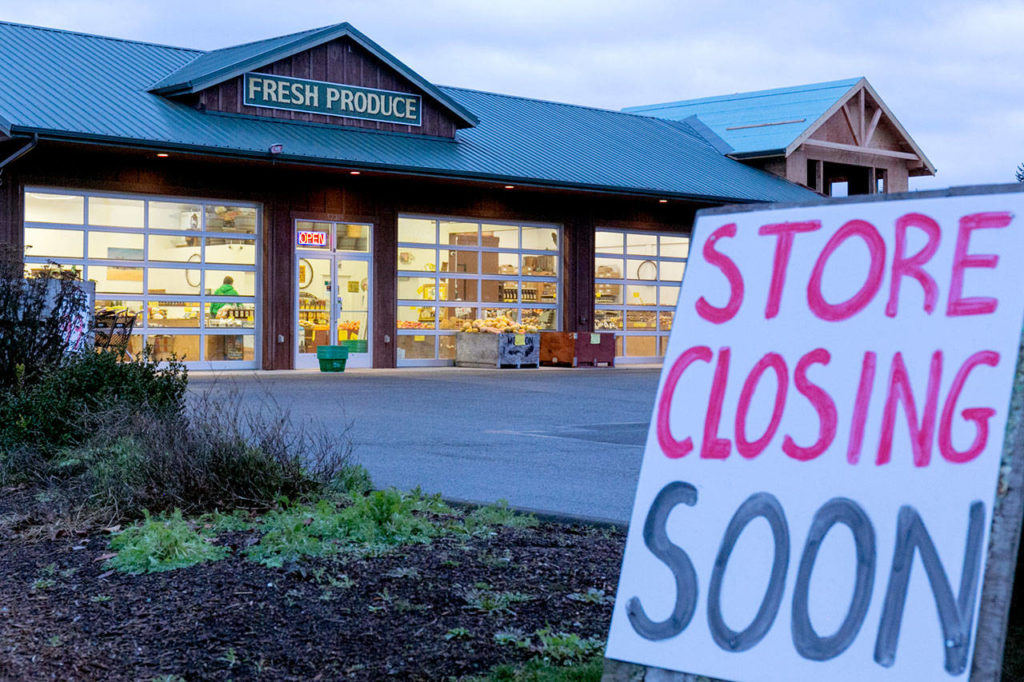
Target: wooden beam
pixel 849 124
pixel 871 128
pixel 861 150
pixel 863 140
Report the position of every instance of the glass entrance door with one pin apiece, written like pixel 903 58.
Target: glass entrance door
pixel 333 291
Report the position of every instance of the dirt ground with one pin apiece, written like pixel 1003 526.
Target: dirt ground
pixel 405 615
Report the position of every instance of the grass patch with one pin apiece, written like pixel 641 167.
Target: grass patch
pixel 162 544
pixel 485 600
pixel 483 519
pixel 382 519
pixel 541 671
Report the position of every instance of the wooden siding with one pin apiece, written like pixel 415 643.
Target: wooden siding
pixel 339 61
pixel 287 193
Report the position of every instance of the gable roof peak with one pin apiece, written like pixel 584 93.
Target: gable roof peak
pixel 216 66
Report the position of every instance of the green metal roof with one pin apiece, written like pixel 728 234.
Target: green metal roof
pixel 217 66
pixel 757 123
pixel 70 86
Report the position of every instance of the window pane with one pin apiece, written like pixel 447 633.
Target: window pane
pixel 115 246
pixel 607 319
pixel 54 208
pixel 663 346
pixel 501 236
pixel 53 243
pixel 541 318
pixel 672 272
pixel 675 247
pixel 419 260
pixel 417 288
pixel 178 281
pixel 173 314
pixel 116 280
pixel 547 292
pixel 639 244
pixel 608 242
pixel 607 293
pixel 508 292
pixel 668 296
pixel 171 248
pixel 229 315
pixel 607 268
pixel 352 237
pixel 508 313
pixel 459 233
pixel 310 235
pixel 540 266
pixel 236 347
pixel 540 239
pixel 665 321
pixel 641 319
pixel 183 346
pixel 231 219
pixel 491 291
pixel 641 269
pixel 116 212
pixel 233 251
pixel 462 261
pixel 447 346
pixel 230 283
pixel 455 318
pixel 166 215
pixel 641 295
pixel 417 231
pixel 416 317
pixel 641 346
pixel 459 289
pixel 113 305
pixel 500 263
pixel 416 347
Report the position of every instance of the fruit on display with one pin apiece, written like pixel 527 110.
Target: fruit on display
pixel 410 324
pixel 498 325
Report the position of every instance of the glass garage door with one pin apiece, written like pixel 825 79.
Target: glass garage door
pixel 636 288
pixel 187 268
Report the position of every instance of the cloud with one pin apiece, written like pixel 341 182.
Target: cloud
pixel 952 72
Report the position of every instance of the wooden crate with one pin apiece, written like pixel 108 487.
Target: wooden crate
pixel 571 349
pixel 483 349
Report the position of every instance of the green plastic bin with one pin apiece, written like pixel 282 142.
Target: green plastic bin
pixel 332 358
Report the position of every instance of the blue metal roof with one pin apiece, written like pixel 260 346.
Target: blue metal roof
pixel 70 86
pixel 217 66
pixel 761 122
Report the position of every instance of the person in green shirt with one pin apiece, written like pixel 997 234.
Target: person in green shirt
pixel 225 289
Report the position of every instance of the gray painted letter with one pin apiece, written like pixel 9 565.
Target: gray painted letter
pixel 656 539
pixel 954 616
pixel 809 643
pixel 758 504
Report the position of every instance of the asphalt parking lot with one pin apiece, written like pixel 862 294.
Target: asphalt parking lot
pixel 563 441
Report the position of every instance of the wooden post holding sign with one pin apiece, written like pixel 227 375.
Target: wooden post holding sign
pixel 826 492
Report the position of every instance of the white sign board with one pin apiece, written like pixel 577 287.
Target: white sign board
pixel 818 481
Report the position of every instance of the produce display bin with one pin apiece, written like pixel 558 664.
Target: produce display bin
pixel 332 358
pixel 572 349
pixel 482 349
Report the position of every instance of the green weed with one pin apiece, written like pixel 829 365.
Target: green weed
pixel 539 671
pixel 565 647
pixel 485 600
pixel 161 544
pixel 499 514
pixel 40 584
pixel 591 596
pixel 457 633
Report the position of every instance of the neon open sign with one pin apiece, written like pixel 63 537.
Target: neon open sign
pixel 311 238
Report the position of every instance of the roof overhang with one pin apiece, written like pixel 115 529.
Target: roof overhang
pixel 386 169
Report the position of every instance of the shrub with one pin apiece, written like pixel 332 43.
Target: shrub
pixel 36 314
pixel 162 544
pixel 69 401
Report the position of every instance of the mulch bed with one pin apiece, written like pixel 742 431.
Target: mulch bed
pixel 235 619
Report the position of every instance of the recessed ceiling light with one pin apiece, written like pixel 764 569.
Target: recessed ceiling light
pixel 353 172
pixel 163 155
pixel 510 186
pixel 662 201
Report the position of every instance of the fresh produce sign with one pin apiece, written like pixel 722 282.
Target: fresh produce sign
pixel 818 484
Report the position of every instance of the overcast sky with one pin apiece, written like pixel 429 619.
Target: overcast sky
pixel 952 72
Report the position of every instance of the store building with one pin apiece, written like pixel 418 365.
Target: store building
pixel 837 138
pixel 254 202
